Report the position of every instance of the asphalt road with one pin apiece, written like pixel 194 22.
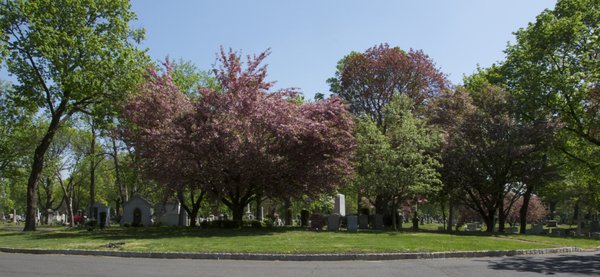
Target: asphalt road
pixel 575 264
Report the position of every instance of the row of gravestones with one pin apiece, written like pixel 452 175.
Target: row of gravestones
pixel 334 220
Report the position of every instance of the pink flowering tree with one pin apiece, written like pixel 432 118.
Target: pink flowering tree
pixel 241 140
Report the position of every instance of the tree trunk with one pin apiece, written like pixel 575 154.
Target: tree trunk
pixel 92 153
pixel 69 201
pixel 181 198
pixel 37 166
pixel 575 213
pixel 579 218
pixel 49 200
pixel 258 210
pixel 552 209
pixel 501 216
pixel 443 208
pixel 181 216
pixel 237 209
pixel 489 223
pixel 380 204
pixel 358 197
pixel 450 215
pixel 394 216
pixel 236 201
pixel 523 211
pixel 288 212
pixel 196 203
pixel 415 219
pixel 122 189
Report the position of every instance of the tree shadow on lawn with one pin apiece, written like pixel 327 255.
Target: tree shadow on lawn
pixel 574 264
pixel 159 232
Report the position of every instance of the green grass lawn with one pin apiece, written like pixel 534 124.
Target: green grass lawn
pixel 278 240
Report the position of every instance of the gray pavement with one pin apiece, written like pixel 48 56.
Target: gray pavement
pixel 571 264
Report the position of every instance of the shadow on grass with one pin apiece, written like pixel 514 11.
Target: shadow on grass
pixel 159 232
pixel 572 264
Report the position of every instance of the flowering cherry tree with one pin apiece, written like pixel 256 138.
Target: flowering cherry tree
pixel 240 140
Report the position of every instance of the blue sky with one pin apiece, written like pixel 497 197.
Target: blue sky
pixel 308 37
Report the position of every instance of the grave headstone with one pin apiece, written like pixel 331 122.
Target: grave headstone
pixel 363 221
pixel 168 214
pixel 558 232
pixel 378 221
pixel 340 205
pixel 304 216
pixel 511 230
pixel 536 229
pixel 471 227
pixel 595 226
pixel 316 221
pixel 352 223
pixel 333 222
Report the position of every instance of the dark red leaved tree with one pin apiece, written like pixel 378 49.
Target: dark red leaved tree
pixel 242 140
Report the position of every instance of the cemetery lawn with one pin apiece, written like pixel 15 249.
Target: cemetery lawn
pixel 279 240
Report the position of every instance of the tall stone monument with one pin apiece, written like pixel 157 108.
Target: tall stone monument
pixel 340 205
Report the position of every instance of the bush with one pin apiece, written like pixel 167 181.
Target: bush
pixel 204 224
pixel 91 224
pixel 256 224
pixel 364 211
pixel 268 223
pixel 127 225
pixel 230 224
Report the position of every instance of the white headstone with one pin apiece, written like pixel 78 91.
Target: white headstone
pixel 340 205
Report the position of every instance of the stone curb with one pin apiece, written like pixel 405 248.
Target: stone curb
pixel 296 257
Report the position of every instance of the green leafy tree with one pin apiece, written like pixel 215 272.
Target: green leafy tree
pixel 554 70
pixel 400 163
pixel 69 57
pixel 190 79
pixel 489 151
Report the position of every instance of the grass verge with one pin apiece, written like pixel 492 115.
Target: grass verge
pixel 278 240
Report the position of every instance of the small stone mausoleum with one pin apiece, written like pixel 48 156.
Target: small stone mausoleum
pixel 102 214
pixel 137 212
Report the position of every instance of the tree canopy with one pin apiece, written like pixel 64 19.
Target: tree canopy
pixel 68 57
pixel 240 140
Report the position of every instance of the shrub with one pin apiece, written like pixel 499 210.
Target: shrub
pixel 268 223
pixel 230 224
pixel 256 224
pixel 91 224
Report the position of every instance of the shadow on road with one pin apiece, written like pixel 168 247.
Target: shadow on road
pixel 575 264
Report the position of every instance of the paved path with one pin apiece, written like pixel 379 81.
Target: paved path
pixel 575 264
